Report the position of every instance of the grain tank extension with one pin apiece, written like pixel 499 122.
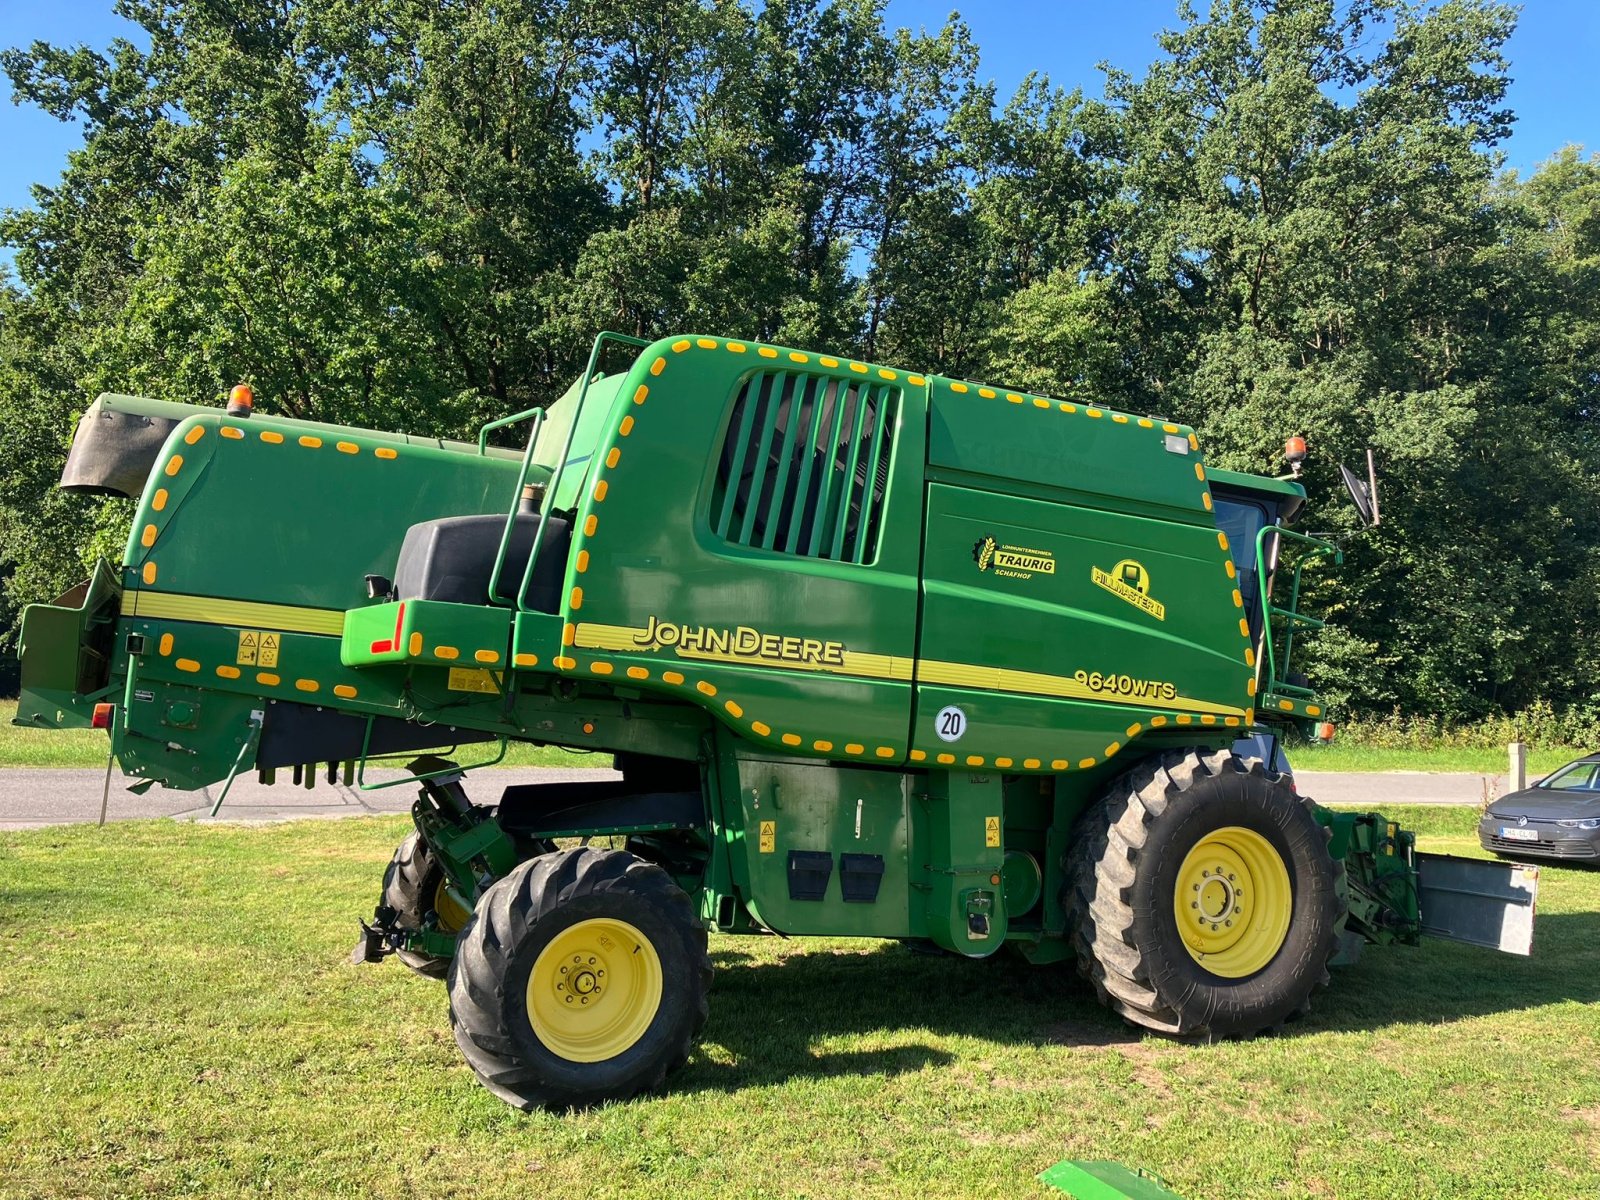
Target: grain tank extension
pixel 876 653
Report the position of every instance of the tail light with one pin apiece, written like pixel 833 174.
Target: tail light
pixel 102 716
pixel 1325 731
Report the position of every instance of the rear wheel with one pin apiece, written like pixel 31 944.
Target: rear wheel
pixel 1203 896
pixel 581 978
pixel 414 885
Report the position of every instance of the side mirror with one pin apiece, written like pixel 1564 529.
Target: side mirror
pixel 1363 491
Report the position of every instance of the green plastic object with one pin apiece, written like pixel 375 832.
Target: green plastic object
pixel 1105 1180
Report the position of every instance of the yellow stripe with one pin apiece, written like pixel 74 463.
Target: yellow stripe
pixel 244 614
pixel 1002 679
pixel 594 636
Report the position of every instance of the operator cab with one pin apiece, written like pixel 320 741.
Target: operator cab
pixel 1242 513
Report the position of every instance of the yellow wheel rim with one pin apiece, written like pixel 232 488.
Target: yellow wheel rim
pixel 594 990
pixel 452 914
pixel 1233 902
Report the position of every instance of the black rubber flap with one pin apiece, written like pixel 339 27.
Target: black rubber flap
pixel 859 877
pixel 808 874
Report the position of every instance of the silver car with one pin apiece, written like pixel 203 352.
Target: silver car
pixel 1558 817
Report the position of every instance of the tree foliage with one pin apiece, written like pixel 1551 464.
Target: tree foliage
pixel 405 213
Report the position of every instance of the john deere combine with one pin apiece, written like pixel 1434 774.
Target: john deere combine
pixel 877 654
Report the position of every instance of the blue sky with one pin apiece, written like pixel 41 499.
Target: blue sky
pixel 1553 57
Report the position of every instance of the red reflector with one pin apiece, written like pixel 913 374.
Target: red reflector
pixel 382 647
pixel 102 716
pixel 1325 732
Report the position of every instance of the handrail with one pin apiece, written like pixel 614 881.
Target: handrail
pixel 483 431
pixel 1319 549
pixel 547 506
pixel 538 415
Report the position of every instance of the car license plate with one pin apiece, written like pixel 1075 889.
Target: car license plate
pixel 1519 835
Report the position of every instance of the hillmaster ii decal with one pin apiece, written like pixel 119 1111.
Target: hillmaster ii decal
pixel 1017 562
pixel 1129 581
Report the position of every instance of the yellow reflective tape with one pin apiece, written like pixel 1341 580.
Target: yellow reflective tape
pixel 247 614
pixel 1002 679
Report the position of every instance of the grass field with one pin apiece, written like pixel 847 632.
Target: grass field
pixel 1340 756
pixel 87 748
pixel 178 1018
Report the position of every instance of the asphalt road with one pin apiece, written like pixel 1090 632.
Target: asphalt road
pixel 32 797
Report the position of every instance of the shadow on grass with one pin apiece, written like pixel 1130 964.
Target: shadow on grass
pixel 777 1019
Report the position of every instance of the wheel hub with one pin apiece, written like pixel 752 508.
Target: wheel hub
pixel 594 990
pixel 1233 902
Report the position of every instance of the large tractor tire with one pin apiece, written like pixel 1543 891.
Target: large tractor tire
pixel 414 886
pixel 581 978
pixel 1203 898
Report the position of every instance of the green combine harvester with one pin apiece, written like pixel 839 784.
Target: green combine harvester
pixel 877 654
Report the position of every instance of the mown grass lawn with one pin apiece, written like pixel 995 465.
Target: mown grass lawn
pixel 1349 756
pixel 178 1018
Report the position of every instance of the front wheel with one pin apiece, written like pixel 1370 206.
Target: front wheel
pixel 580 978
pixel 1204 899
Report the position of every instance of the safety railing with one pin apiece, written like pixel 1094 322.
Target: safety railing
pixel 547 504
pixel 1293 618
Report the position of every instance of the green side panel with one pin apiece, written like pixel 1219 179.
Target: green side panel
pixel 1091 455
pixel 672 588
pixel 1063 632
pixel 1104 1180
pixel 794 812
pixel 257 510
